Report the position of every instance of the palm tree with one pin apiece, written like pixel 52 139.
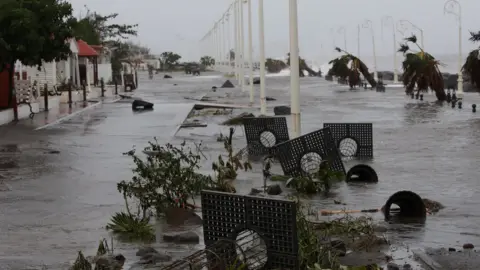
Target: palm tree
pixel 421 69
pixel 341 69
pixel 303 66
pixel 472 63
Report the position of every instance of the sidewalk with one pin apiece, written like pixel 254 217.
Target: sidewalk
pixel 58 114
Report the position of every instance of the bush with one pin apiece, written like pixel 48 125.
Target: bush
pixel 167 178
pixel 131 226
pixel 321 181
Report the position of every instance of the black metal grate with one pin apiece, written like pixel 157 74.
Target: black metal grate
pixel 263 133
pixel 360 134
pixel 225 215
pixel 294 155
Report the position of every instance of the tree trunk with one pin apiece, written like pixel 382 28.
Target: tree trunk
pixel 441 96
pixel 11 86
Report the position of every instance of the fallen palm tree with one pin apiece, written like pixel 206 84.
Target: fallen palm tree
pixel 349 67
pixel 421 69
pixel 274 65
pixel 304 67
pixel 472 63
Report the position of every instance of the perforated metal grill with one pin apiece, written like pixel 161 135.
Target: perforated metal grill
pixel 263 133
pixel 225 215
pixel 315 146
pixel 361 133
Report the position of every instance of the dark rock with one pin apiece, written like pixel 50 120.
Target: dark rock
pixel 407 267
pixel 468 246
pixel 270 99
pixel 256 80
pixel 181 237
pixel 451 249
pixel 392 266
pixel 167 76
pixel 141 104
pixel 145 250
pixel 110 262
pixel 237 120
pixel 274 190
pixel 227 84
pixel 54 152
pixel 8 165
pixel 177 216
pixel 154 258
pixel 3 186
pixel 282 110
pixel 255 191
pixel 174 84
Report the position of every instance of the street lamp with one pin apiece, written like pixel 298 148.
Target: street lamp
pixel 229 61
pixel 261 32
pixel 332 32
pixel 250 49
pixel 358 40
pixel 340 30
pixel 294 68
pixel 453 7
pixel 242 47
pixel 369 24
pixel 403 26
pixel 385 20
pixel 237 41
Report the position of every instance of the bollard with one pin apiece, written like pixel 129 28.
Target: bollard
pixel 454 97
pixel 453 104
pixel 412 95
pixel 361 173
pixel 449 97
pixel 116 86
pixel 474 108
pixel 421 97
pixel 411 205
pixel 70 95
pixel 84 86
pixel 102 87
pixel 460 104
pixel 417 95
pixel 45 96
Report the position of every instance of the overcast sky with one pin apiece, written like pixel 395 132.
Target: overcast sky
pixel 178 25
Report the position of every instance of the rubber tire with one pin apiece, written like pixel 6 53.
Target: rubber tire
pixel 366 174
pixel 411 205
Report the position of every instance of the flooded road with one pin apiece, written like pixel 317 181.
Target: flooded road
pixel 62 179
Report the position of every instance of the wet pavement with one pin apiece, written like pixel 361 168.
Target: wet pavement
pixel 62 179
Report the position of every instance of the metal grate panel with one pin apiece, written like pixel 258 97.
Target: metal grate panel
pixel 263 133
pixel 361 133
pixel 292 154
pixel 225 215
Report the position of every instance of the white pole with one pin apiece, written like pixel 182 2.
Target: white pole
pixel 358 40
pixel 242 48
pixel 395 62
pixel 235 9
pixel 294 68
pixel 250 49
pixel 450 8
pixel 227 34
pixel 225 43
pixel 261 32
pixel 369 24
pixel 343 30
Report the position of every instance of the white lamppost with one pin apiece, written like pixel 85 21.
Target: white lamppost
pixel 294 68
pixel 229 61
pixel 369 24
pixel 453 7
pixel 332 33
pixel 224 46
pixel 358 40
pixel 403 25
pixel 237 40
pixel 242 47
pixel 385 20
pixel 340 30
pixel 250 49
pixel 261 33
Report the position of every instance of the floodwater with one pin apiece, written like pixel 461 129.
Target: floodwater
pixel 60 202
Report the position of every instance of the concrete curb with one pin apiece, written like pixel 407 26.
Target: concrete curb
pixel 58 121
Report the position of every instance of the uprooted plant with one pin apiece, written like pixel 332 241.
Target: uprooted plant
pixel 319 181
pixel 226 170
pixel 87 263
pixel 319 247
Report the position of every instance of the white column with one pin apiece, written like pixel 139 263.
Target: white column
pixel 87 71
pixel 242 47
pixel 250 50
pixel 224 46
pixel 358 41
pixel 77 70
pixel 460 59
pixel 261 38
pixel 294 67
pixel 228 35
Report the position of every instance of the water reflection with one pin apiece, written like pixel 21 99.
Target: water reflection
pixel 422 112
